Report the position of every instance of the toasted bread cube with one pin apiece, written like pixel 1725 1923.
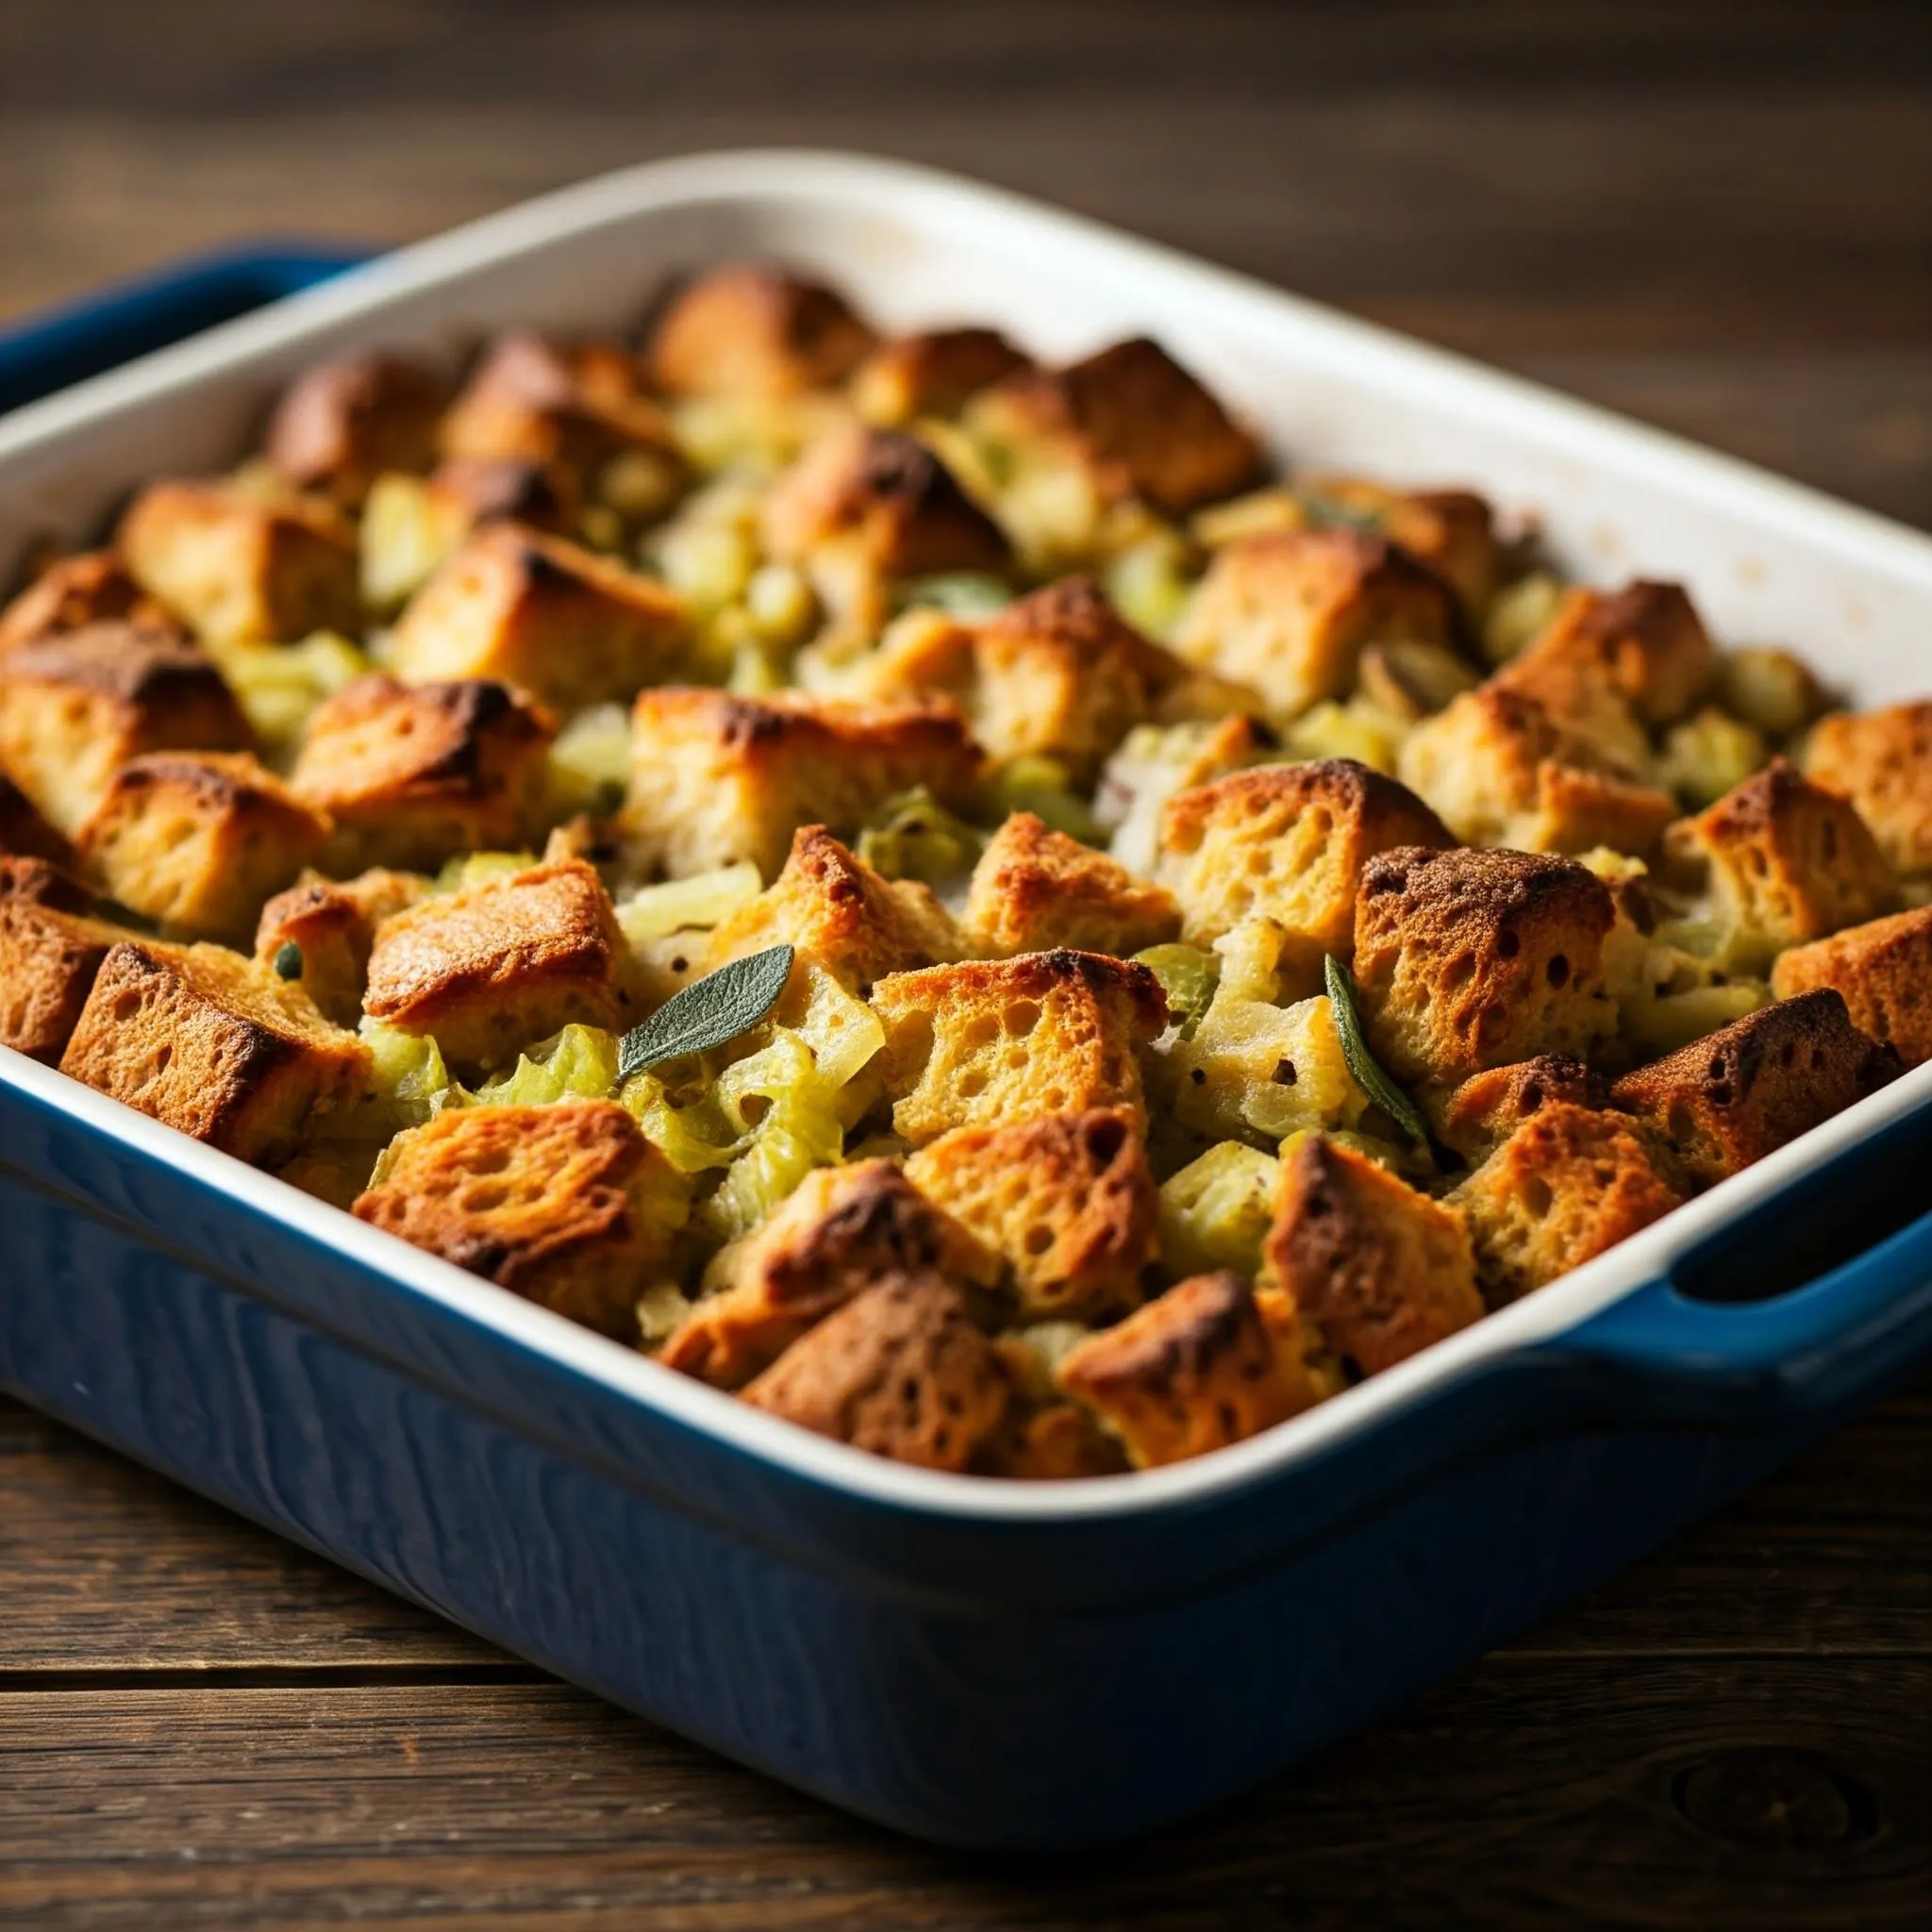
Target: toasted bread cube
pixel 900 1371
pixel 830 903
pixel 753 331
pixel 1137 418
pixel 568 1205
pixel 339 426
pixel 1379 1269
pixel 986 1043
pixel 1194 1369
pixel 332 925
pixel 50 949
pixel 930 375
pixel 1035 889
pixel 1287 612
pixel 1882 762
pixel 1047 1443
pixel 1733 1096
pixel 197 841
pixel 574 411
pixel 717 778
pixel 75 707
pixel 413 775
pixel 497 965
pixel 1469 960
pixel 1503 771
pixel 1067 1202
pixel 23 831
pixel 1452 531
pixel 1476 1117
pixel 1644 643
pixel 1784 861
pixel 840 1232
pixel 1155 762
pixel 1287 843
pixel 884 497
pixel 1059 674
pixel 203 1040
pixel 570 627
pixel 1570 1183
pixel 1882 970
pixel 240 569
pixel 76 592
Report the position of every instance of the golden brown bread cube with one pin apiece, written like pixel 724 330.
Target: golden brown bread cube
pixel 1059 674
pixel 504 963
pixel 213 1044
pixel 196 841
pixel 568 1205
pixel 1048 1441
pixel 1452 531
pixel 1135 418
pixel 1882 762
pixel 332 925
pixel 573 411
pixel 1195 1369
pixel 1379 1269
pixel 341 425
pixel 753 331
pixel 550 617
pixel 1570 1183
pixel 1733 1096
pixel 76 592
pixel 1882 970
pixel 883 497
pixel 1474 1118
pixel 841 1230
pixel 716 777
pixel 413 775
pixel 930 375
pixel 900 1371
pixel 1644 645
pixel 238 568
pixel 1470 960
pixel 1287 843
pixel 1035 889
pixel 51 948
pixel 833 906
pixel 1502 771
pixel 1287 612
pixel 1783 861
pixel 73 708
pixel 1067 1202
pixel 986 1043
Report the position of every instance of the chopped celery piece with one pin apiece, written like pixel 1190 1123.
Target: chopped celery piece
pixel 1188 976
pixel 706 899
pixel 589 763
pixel 959 593
pixel 1040 785
pixel 1214 1213
pixel 476 868
pixel 914 837
pixel 579 1063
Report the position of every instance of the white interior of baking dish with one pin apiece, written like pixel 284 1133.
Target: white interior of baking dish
pixel 1767 560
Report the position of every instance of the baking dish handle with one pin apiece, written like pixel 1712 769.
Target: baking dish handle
pixel 1838 1337
pixel 54 348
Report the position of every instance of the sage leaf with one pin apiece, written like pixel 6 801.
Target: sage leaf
pixel 1361 1062
pixel 707 1013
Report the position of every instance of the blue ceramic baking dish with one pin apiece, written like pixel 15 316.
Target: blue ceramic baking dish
pixel 1001 1666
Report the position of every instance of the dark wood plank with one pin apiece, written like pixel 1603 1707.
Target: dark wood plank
pixel 1666 1793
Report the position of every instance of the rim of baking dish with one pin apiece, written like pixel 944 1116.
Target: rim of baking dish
pixel 1399 364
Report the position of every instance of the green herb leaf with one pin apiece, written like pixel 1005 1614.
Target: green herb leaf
pixel 1361 1062
pixel 287 960
pixel 707 1013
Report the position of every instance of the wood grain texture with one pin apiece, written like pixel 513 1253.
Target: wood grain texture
pixel 1718 218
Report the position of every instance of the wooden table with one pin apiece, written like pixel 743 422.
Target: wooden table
pixel 1719 219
